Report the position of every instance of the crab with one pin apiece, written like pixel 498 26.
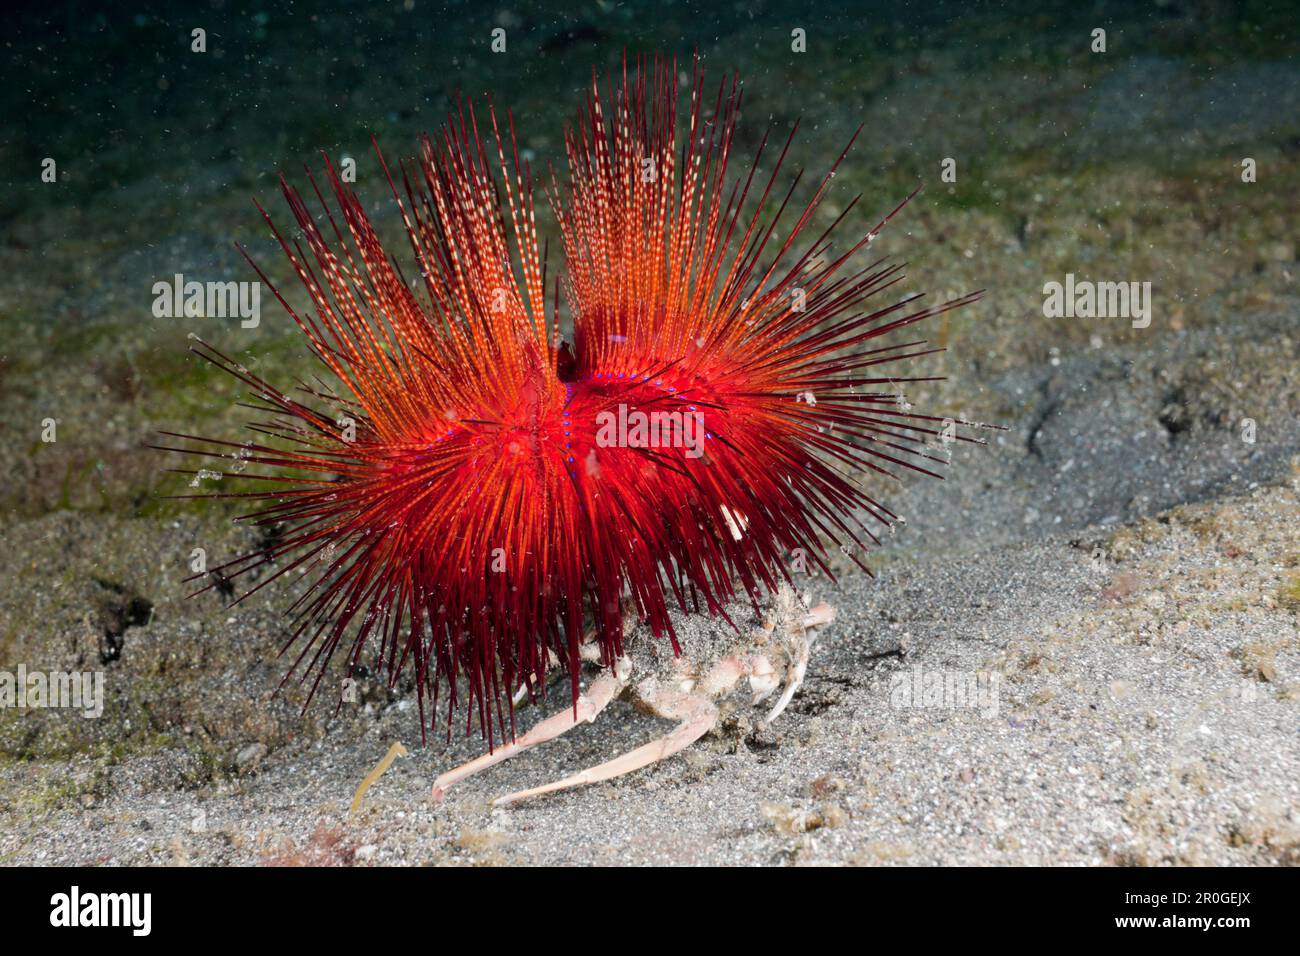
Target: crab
pixel 686 688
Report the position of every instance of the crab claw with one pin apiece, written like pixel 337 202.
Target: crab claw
pixel 817 616
pixel 793 680
pixel 763 678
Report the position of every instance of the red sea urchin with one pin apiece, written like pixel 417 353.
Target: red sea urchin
pixel 479 488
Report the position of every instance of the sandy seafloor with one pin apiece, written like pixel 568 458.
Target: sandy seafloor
pixel 1124 562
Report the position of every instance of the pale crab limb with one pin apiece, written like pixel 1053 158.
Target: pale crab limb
pixel 821 614
pixel 522 693
pixel 602 690
pixel 697 715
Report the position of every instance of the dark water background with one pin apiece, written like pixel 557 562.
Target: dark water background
pixel 115 92
pixel 1122 165
pixel 1069 160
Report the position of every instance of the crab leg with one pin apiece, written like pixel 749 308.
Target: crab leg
pixel 697 715
pixel 602 690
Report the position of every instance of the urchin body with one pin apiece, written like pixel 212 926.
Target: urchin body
pixel 453 497
pixel 688 688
